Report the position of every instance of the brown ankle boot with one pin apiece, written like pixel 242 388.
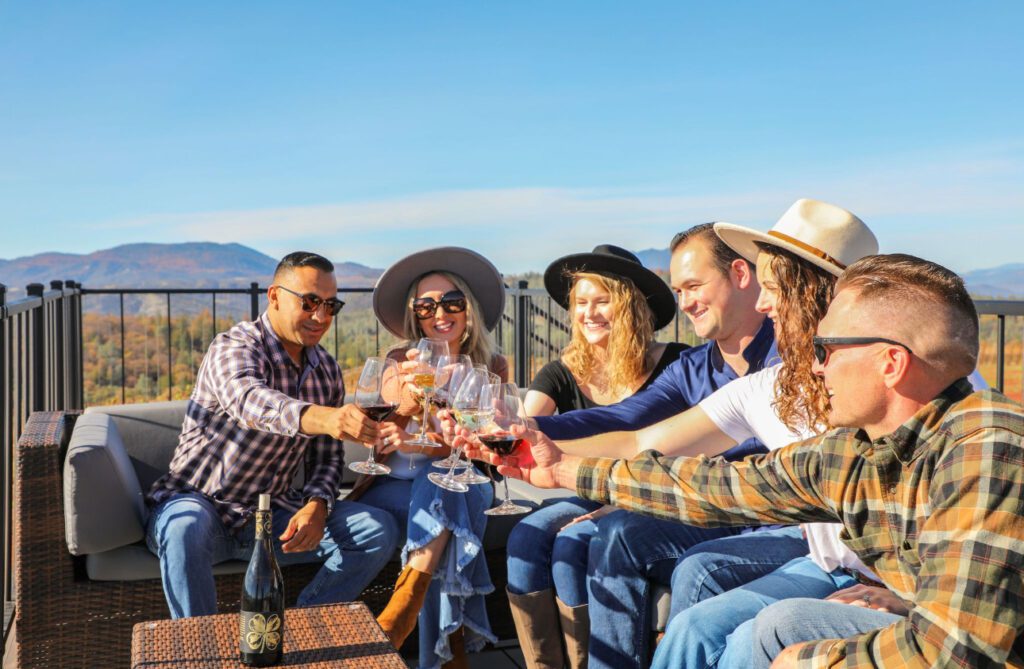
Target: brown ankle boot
pixel 457 644
pixel 538 629
pixel 576 628
pixel 398 619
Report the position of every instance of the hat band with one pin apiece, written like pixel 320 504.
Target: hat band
pixel 806 247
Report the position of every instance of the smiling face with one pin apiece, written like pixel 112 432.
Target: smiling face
pixel 592 311
pixel 706 295
pixel 442 325
pixel 296 328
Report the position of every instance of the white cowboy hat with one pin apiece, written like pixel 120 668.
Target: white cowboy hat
pixel 821 233
pixel 482 277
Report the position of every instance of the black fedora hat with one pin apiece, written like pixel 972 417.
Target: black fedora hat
pixel 616 262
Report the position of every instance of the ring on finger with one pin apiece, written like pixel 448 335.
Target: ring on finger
pixel 867 599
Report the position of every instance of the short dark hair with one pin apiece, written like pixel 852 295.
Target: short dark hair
pixel 721 254
pixel 303 259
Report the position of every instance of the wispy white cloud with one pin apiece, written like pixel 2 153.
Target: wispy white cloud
pixel 938 206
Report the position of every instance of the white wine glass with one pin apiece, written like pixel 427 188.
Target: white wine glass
pixel 377 396
pixel 499 436
pixel 489 396
pixel 430 353
pixel 452 371
pixel 465 407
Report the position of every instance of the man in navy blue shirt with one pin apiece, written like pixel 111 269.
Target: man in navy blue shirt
pixel 717 291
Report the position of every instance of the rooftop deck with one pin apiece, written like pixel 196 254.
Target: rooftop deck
pixel 68 347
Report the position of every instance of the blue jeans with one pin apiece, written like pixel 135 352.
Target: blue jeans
pixel 718 631
pixel 798 620
pixel 186 533
pixel 542 556
pixel 456 595
pixel 628 553
pixel 717 566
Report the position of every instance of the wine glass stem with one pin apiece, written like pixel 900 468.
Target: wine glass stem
pixel 455 461
pixel 505 481
pixel 369 458
pixel 426 415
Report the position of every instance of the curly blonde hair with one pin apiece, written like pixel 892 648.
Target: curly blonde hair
pixel 632 332
pixel 806 290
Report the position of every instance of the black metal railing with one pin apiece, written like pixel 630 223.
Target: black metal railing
pixel 42 348
pixel 40 370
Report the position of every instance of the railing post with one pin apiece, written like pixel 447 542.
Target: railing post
pixel 37 353
pixel 1001 352
pixel 77 400
pixel 60 370
pixel 254 306
pixel 522 336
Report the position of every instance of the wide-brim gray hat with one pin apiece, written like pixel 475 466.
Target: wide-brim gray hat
pixel 823 234
pixel 617 262
pixel 482 277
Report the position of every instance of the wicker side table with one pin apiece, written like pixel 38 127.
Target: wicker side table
pixel 336 635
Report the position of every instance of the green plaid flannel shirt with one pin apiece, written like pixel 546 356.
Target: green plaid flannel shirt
pixel 936 509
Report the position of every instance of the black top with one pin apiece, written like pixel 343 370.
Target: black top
pixel 557 382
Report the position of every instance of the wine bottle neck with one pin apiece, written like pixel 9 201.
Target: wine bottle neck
pixel 264 525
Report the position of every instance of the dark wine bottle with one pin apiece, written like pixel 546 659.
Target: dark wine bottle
pixel 262 617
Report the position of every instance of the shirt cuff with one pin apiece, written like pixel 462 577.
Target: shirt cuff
pixel 291 418
pixel 319 495
pixel 592 478
pixel 824 653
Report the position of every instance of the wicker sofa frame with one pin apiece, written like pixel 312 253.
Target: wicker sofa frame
pixel 64 619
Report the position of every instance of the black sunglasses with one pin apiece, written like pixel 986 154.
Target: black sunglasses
pixel 821 351
pixel 453 302
pixel 312 302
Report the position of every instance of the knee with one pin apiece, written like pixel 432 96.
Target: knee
pixel 183 525
pixel 777 623
pixel 527 540
pixel 615 536
pixel 381 530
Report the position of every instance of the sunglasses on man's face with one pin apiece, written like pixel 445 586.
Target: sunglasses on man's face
pixel 312 302
pixel 453 302
pixel 821 344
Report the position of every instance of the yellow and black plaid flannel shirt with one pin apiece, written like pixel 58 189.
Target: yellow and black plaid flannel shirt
pixel 936 509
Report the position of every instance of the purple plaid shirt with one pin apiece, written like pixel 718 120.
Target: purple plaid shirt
pixel 241 432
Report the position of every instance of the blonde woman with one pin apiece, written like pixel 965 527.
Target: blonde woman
pixel 615 306
pixel 455 295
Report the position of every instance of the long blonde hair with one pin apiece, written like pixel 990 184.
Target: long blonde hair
pixel 476 341
pixel 805 291
pixel 626 362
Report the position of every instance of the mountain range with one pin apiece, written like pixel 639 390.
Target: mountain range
pixel 210 265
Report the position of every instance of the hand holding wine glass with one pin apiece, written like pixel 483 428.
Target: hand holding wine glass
pixel 377 396
pixel 430 353
pixel 469 406
pixel 502 435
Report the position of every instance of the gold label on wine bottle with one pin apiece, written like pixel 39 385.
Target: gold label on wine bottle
pixel 264 524
pixel 260 633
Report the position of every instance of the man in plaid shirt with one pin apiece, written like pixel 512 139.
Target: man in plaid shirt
pixel 267 395
pixel 926 476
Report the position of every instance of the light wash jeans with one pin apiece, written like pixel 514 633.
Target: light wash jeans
pixel 541 555
pixel 186 533
pixel 798 620
pixel 456 595
pixel 718 632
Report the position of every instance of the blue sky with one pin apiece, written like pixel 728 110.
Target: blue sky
pixel 525 130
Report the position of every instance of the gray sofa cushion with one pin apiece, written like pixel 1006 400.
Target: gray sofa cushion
pixel 150 433
pixel 103 503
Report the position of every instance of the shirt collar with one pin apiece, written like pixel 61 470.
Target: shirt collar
pixel 277 351
pixel 759 353
pixel 906 441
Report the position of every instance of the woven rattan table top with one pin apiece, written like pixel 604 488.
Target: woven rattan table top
pixel 337 636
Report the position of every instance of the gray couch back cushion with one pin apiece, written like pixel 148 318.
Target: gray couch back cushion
pixel 103 503
pixel 149 432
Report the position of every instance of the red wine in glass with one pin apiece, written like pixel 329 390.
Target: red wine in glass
pixel 379 412
pixel 501 443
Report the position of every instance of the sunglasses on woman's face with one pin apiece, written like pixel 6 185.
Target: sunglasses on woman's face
pixel 453 302
pixel 312 302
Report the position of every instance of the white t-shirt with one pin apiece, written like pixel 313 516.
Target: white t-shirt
pixel 743 410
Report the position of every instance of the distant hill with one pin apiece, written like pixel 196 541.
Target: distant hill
pixel 656 259
pixel 162 266
pixel 190 264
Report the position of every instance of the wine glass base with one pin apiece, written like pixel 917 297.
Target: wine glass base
pixel 470 476
pixel 447 482
pixel 507 508
pixel 426 443
pixel 371 468
pixel 447 463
